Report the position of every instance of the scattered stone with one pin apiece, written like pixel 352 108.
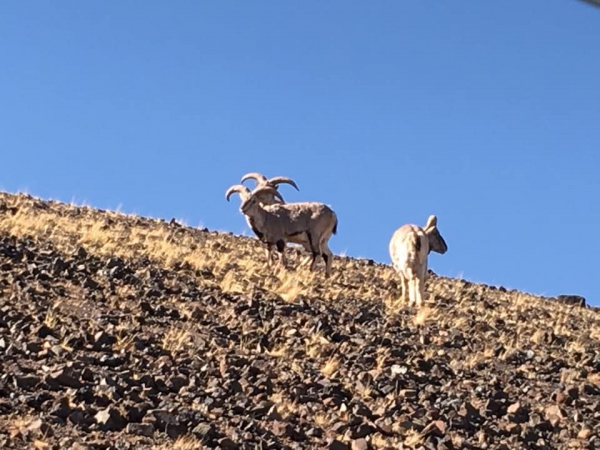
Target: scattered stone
pixel 121 352
pixel 63 378
pixel 338 445
pixel 27 382
pixel 140 429
pixel 575 300
pixel 360 444
pixel 227 444
pixel 110 419
pixel 40 428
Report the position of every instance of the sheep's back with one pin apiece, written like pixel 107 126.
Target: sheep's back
pixel 408 249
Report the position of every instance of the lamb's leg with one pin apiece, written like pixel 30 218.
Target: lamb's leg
pixel 418 290
pixel 422 278
pixel 405 290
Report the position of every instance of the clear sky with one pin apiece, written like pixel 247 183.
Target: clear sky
pixel 486 114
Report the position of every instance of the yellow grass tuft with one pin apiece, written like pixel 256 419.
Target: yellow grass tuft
pixel 176 339
pixel 425 314
pixel 331 366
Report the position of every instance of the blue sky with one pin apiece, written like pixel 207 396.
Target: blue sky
pixel 486 114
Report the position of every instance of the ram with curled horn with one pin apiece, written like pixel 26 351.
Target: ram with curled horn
pixel 277 224
pixel 267 198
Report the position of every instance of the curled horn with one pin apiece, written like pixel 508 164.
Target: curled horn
pixel 259 177
pixel 240 189
pixel 279 180
pixel 268 190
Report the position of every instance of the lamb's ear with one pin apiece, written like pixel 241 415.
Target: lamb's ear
pixel 431 223
pixel 240 189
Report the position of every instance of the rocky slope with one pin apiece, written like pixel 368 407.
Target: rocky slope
pixel 120 332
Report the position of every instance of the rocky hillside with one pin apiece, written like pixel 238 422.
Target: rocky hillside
pixel 121 332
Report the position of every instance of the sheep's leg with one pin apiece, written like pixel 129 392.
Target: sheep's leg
pixel 315 251
pixel 405 290
pixel 422 278
pixel 418 290
pixel 327 255
pixel 412 290
pixel 281 248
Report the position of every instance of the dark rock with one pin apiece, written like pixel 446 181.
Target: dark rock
pixel 575 300
pixel 61 408
pixel 176 383
pixel 572 392
pixel 110 419
pixel 103 340
pixel 435 428
pixel 44 331
pixel 227 444
pixel 27 382
pixel 40 428
pixel 91 284
pixel 205 431
pixel 494 408
pixel 111 361
pixel 136 413
pixel 338 445
pixel 140 429
pixel 166 421
pixel 361 431
pixel 470 413
pixel 517 413
pixel 513 428
pixel 62 378
pixel 81 418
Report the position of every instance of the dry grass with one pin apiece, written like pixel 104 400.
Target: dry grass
pixel 236 265
pixel 331 366
pixel 187 442
pixel 176 339
pixel 109 234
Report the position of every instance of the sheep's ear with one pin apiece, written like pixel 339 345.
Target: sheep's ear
pixel 431 222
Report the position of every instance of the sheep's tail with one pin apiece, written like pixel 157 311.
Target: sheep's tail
pixel 335 225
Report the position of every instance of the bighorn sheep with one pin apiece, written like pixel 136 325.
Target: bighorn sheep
pixel 267 198
pixel 409 249
pixel 276 224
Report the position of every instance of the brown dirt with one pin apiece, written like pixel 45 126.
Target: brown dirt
pixel 121 332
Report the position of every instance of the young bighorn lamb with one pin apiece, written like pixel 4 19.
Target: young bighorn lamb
pixel 409 249
pixel 275 224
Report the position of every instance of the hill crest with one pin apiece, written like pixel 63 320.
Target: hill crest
pixel 118 328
